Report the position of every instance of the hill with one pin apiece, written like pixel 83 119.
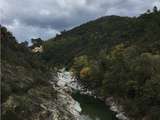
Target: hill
pixel 101 35
pixel 26 89
pixel 115 56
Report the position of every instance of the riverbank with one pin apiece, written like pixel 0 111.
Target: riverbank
pixel 64 98
pixel 93 108
pixel 68 84
pixel 117 108
pixel 112 103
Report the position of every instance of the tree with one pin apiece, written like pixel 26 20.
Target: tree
pixel 155 9
pixel 36 42
pixel 148 11
pixel 25 43
pixel 85 72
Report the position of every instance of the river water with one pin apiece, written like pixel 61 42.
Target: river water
pixel 93 109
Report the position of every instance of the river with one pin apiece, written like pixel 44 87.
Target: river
pixel 93 109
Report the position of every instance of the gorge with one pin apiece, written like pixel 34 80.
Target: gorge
pixel 86 106
pixel 111 70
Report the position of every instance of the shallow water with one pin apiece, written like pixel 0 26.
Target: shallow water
pixel 93 109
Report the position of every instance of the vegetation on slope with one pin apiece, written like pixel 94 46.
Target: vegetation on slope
pixel 24 81
pixel 115 56
pixel 100 35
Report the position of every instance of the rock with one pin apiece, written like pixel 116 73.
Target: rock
pixel 116 108
pixel 121 116
pixel 66 104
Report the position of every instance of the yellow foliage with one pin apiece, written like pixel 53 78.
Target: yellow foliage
pixel 118 51
pixel 85 72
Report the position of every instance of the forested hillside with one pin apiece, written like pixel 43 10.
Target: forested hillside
pixel 115 56
pixel 24 81
pixel 29 89
pixel 101 35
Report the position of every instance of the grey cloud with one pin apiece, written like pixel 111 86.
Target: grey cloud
pixel 44 16
pixel 26 32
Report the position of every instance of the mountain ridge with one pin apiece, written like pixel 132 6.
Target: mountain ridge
pixel 97 35
pixel 114 57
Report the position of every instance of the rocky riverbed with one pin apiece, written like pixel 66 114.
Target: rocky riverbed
pixel 71 109
pixel 66 84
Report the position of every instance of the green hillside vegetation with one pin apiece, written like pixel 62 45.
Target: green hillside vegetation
pixel 101 35
pixel 24 81
pixel 115 56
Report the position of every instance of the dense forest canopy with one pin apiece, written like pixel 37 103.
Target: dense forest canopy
pixel 114 55
pixel 24 80
pixel 101 35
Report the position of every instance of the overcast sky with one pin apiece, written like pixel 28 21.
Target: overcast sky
pixel 28 19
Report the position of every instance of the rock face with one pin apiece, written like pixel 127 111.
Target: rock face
pixel 64 88
pixel 63 107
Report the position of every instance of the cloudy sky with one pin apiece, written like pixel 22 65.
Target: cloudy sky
pixel 28 19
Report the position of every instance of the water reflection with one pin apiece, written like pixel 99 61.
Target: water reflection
pixel 93 109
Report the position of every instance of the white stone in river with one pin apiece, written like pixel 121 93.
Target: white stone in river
pixel 61 83
pixel 77 107
pixel 114 108
pixel 121 116
pixel 66 78
pixel 65 83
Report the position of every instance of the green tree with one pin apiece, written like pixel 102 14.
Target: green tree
pixel 36 42
pixel 155 9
